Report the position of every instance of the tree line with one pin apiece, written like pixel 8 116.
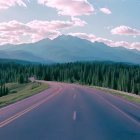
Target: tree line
pixel 3 90
pixel 117 76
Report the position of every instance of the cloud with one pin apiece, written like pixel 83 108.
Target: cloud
pixel 36 30
pixel 135 45
pixel 125 30
pixel 55 24
pixel 69 7
pixel 89 37
pixel 105 11
pixel 5 4
pixel 78 22
pixel 111 43
pixel 105 41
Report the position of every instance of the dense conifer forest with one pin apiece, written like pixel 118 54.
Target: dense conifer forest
pixel 112 75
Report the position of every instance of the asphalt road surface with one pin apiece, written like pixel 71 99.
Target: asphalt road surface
pixel 70 112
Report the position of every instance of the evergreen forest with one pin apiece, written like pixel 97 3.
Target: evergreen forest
pixel 117 76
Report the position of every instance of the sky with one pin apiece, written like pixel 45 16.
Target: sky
pixel 113 22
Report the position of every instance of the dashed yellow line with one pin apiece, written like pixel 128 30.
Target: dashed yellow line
pixel 14 117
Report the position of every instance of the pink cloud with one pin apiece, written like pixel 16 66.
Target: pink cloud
pixel 105 10
pixel 36 29
pixel 125 30
pixel 106 41
pixel 111 43
pixel 135 45
pixel 121 43
pixel 89 37
pixel 78 22
pixel 69 7
pixel 44 34
pixel 5 4
pixel 56 24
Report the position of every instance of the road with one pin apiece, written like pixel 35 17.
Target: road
pixel 70 112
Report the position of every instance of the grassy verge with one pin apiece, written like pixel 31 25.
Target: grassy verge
pixel 117 93
pixel 20 91
pixel 128 97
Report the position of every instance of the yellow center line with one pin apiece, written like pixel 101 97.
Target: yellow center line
pixel 7 121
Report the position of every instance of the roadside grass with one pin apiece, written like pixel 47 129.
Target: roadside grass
pixel 117 93
pixel 128 97
pixel 20 91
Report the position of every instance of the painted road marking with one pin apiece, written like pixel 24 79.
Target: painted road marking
pixel 119 110
pixel 125 101
pixel 123 113
pixel 74 115
pixel 14 117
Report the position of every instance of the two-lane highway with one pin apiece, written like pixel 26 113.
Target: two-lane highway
pixel 70 112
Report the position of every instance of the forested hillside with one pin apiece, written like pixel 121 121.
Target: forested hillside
pixel 113 75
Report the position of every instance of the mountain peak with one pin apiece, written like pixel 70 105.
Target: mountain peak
pixel 66 37
pixel 67 48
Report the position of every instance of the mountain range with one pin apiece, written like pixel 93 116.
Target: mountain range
pixel 67 48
